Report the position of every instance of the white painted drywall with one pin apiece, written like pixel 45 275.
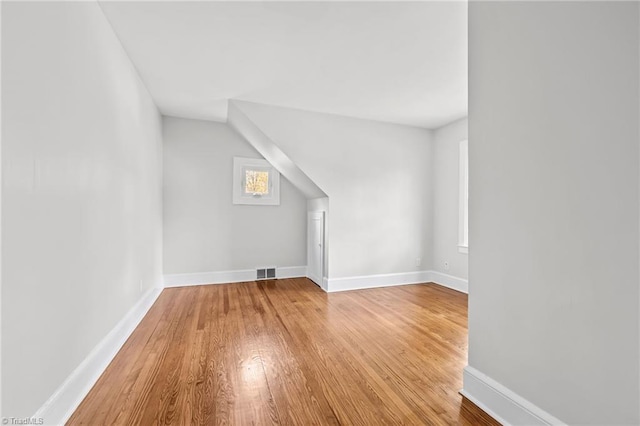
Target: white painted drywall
pixel 378 179
pixel 81 193
pixel 402 62
pixel 203 230
pixel 446 199
pixel 553 130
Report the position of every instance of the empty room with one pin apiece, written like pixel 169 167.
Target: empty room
pixel 329 213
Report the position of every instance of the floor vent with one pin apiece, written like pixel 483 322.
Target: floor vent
pixel 266 273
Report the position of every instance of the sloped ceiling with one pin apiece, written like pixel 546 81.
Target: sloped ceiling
pixel 242 124
pixel 398 62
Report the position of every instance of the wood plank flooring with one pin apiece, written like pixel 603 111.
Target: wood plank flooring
pixel 285 352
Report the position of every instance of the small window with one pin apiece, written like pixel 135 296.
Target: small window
pixel 463 234
pixel 255 181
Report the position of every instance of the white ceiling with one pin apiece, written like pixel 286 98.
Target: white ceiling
pixel 397 62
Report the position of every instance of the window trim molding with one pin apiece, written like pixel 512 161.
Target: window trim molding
pixel 240 164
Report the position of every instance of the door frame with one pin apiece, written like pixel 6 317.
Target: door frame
pixel 312 216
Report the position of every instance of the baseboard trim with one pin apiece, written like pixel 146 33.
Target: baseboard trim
pixel 329 285
pixel 226 277
pixel 502 403
pixel 389 280
pixel 445 280
pixel 291 272
pixel 64 401
pixel 375 281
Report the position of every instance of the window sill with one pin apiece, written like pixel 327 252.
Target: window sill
pixel 463 249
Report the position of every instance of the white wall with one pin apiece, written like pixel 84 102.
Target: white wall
pixel 203 230
pixel 81 193
pixel 553 127
pixel 446 199
pixel 377 176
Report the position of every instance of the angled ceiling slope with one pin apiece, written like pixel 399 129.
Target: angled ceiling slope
pixel 399 62
pixel 242 124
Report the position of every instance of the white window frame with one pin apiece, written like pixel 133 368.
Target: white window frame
pixel 240 165
pixel 463 204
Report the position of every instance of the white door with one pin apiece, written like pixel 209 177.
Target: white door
pixel 315 246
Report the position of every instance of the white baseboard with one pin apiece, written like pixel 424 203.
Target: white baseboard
pixel 388 280
pixel 445 280
pixel 226 277
pixel 501 403
pixel 64 401
pixel 291 272
pixel 375 281
pixel 200 278
pixel 329 285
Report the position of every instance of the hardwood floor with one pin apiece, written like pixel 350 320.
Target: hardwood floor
pixel 285 352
